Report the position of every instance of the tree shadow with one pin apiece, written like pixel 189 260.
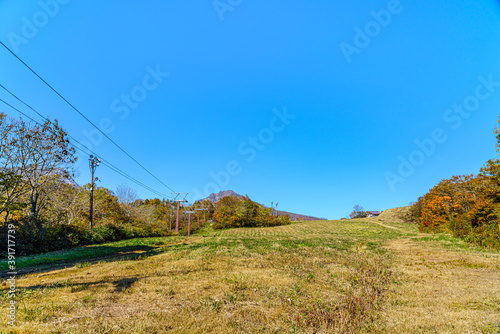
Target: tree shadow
pixel 102 254
pixel 85 256
pixel 120 285
pixel 124 283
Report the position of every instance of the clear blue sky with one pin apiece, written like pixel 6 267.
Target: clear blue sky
pixel 359 100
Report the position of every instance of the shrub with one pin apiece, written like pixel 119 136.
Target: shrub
pixel 234 212
pixel 358 212
pixel 467 207
pixel 31 236
pixel 34 236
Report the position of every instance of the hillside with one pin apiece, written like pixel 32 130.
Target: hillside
pixel 299 217
pixel 353 276
pixel 392 215
pixel 214 198
pixel 65 177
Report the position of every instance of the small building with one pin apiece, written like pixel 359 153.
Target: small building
pixel 374 213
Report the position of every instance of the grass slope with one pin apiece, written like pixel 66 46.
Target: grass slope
pixel 373 276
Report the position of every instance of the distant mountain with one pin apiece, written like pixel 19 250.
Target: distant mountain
pixel 214 198
pixel 296 216
pixel 65 177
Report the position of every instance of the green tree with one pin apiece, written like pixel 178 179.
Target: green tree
pixel 10 192
pixel 106 207
pixel 242 212
pixel 39 154
pixel 358 212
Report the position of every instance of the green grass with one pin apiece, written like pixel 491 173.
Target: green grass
pixel 307 277
pixel 341 235
pixel 344 236
pixel 449 242
pixel 123 247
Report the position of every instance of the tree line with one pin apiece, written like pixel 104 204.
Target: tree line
pixel 467 206
pixel 50 213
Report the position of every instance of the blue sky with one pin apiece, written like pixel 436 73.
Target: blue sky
pixel 312 104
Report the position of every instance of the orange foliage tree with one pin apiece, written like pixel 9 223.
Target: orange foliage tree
pixel 468 206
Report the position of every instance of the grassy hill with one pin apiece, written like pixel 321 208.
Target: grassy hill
pixel 368 275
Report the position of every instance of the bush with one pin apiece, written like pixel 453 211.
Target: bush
pixel 234 212
pixel 358 212
pixel 34 236
pixel 31 236
pixel 468 207
pixel 63 236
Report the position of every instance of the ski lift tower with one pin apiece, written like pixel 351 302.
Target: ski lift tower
pixel 204 209
pixel 179 198
pixel 189 221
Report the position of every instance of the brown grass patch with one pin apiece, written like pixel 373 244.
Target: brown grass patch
pixel 443 290
pixel 315 277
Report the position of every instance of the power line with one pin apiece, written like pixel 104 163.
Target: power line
pixel 17 98
pixel 81 114
pixel 104 161
pixel 19 111
pixel 134 180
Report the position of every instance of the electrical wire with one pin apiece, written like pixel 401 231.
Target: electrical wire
pixel 82 115
pixel 104 161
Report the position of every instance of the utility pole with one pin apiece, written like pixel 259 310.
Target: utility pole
pixel 179 197
pixel 277 213
pixel 93 162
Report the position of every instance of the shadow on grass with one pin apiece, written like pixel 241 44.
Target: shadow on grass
pixel 124 283
pixel 84 256
pixel 74 257
pixel 120 285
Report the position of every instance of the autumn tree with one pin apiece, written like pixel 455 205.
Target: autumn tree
pixel 166 212
pixel 10 191
pixel 107 209
pixel 12 186
pixel 467 206
pixel 125 194
pixel 358 212
pixel 127 197
pixel 68 204
pixel 232 211
pixel 39 154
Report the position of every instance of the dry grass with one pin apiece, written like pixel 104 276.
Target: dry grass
pixel 443 291
pixel 314 277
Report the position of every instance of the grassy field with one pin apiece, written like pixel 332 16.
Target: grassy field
pixel 373 275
